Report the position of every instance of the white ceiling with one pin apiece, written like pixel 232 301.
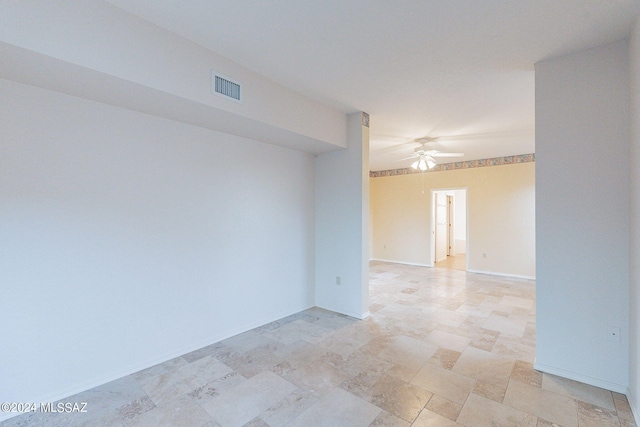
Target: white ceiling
pixel 461 70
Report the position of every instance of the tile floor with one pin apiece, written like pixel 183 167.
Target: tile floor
pixel 441 348
pixel 455 262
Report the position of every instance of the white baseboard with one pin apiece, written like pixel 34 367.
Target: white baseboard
pixel 400 262
pixel 493 273
pixel 618 388
pixel 355 315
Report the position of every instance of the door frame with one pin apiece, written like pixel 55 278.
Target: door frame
pixel 432 223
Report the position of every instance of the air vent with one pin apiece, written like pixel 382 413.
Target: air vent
pixel 224 86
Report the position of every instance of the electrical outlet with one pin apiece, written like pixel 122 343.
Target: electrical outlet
pixel 338 280
pixel 613 334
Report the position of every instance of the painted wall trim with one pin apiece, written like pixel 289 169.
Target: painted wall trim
pixel 493 273
pixel 401 262
pixel 355 315
pixel 96 382
pixel 618 388
pixel 494 161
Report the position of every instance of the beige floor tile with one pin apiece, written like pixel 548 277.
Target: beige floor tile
pixel 505 325
pixel 485 366
pixel 542 403
pixel 248 341
pixel 445 358
pixel 448 341
pixel 288 408
pixel 444 407
pixel 444 383
pixel 479 411
pixel 523 371
pixel 489 391
pixel 584 392
pixel 346 341
pixel 594 416
pixel 385 419
pixel 319 378
pixel 170 385
pixel 248 400
pixel 514 347
pixel 623 408
pixel 299 330
pixel 517 302
pixel 398 397
pixel 338 409
pixel 254 361
pixel 408 352
pixel 428 418
pixel 217 387
pixel 179 412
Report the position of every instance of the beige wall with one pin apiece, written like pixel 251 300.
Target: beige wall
pixel 501 217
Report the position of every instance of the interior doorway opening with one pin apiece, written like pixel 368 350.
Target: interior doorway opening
pixel 449 228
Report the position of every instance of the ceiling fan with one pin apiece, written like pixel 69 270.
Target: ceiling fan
pixel 426 158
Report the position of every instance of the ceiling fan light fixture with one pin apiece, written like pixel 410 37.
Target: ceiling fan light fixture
pixel 430 163
pixel 414 165
pixel 423 165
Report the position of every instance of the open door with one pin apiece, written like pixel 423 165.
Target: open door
pixel 441 235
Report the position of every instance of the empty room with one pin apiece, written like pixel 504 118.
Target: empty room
pixel 337 213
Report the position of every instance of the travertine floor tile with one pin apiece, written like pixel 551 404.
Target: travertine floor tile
pixel 408 352
pixel 584 392
pixel 445 358
pixel 431 419
pixel 248 400
pixel 288 408
pixel 481 412
pixel 523 371
pixel 489 391
pixel 594 416
pixel 385 419
pixel 484 366
pixel 444 383
pixel 542 403
pixel 170 385
pixel 444 407
pixel 448 341
pixel 180 411
pixel 399 397
pixel 338 409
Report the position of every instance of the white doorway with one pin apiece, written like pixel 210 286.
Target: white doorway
pixel 449 237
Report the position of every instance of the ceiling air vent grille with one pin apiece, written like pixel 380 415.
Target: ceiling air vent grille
pixel 223 85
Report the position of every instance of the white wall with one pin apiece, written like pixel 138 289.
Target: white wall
pixel 501 217
pixel 342 224
pixel 582 215
pixel 129 239
pixel 634 230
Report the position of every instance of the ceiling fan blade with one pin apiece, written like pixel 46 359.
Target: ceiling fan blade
pixel 408 158
pixel 439 154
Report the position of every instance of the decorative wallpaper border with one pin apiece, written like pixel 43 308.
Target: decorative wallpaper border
pixel 365 119
pixel 495 161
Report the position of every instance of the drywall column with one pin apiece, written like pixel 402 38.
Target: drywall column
pixel 582 216
pixel 342 223
pixel 634 230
